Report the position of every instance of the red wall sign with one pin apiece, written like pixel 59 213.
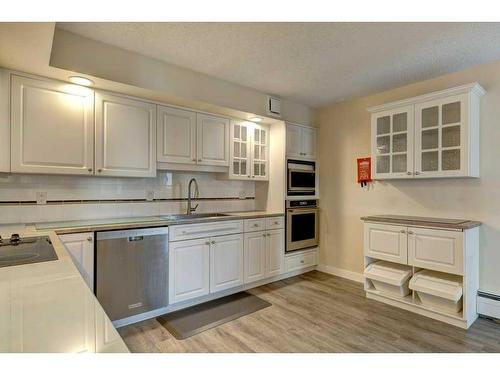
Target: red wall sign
pixel 364 170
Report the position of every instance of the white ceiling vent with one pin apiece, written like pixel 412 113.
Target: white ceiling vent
pixel 274 106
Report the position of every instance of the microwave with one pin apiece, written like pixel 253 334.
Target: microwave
pixel 301 178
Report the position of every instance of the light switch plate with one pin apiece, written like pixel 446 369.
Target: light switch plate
pixel 41 197
pixel 167 179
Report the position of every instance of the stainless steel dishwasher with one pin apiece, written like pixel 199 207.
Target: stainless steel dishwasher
pixel 132 271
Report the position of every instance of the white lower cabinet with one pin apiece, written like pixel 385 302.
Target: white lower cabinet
pixel 226 262
pixel 448 257
pixel 255 256
pixel 275 252
pixel 107 339
pixel 189 269
pixel 264 254
pixel 295 262
pixel 439 250
pixel 386 242
pixel 81 248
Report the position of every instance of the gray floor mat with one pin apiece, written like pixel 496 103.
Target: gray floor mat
pixel 193 320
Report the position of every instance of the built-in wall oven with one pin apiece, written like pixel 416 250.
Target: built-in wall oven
pixel 301 178
pixel 302 224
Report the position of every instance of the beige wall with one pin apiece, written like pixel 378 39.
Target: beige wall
pixel 345 135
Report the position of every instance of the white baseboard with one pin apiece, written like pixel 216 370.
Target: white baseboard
pixel 488 307
pixel 346 274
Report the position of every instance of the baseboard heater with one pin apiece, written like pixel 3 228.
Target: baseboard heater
pixel 488 305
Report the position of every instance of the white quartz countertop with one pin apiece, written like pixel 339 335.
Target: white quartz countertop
pixel 47 307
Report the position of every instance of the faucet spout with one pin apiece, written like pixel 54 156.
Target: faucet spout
pixel 190 208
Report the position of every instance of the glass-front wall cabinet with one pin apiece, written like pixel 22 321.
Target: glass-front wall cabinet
pixel 249 151
pixel 432 135
pixel 393 143
pixel 440 137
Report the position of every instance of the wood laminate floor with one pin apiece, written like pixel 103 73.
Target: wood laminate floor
pixel 317 312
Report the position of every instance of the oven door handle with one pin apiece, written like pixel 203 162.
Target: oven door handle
pixel 302 210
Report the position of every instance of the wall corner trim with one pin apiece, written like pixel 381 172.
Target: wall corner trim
pixel 346 274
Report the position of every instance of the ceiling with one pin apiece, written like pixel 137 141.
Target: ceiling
pixel 312 63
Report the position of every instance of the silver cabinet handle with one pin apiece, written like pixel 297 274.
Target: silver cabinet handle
pixel 213 242
pixel 269 235
pixel 409 173
pixel 89 239
pixel 403 231
pixel 417 172
pixel 410 232
pixel 199 159
pixel 207 243
pixel 194 159
pixel 256 225
pixel 90 169
pixel 263 234
pixel 302 261
pixel 99 170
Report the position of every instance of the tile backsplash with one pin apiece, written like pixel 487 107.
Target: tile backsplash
pixel 225 195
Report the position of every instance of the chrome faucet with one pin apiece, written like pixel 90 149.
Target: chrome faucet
pixel 191 209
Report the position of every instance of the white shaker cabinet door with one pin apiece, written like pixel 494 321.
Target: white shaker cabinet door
pixel 81 248
pixel 386 242
pixel 308 136
pixel 275 250
pixel 52 127
pixel 189 269
pixel 255 256
pixel 176 135
pixel 293 141
pixel 125 137
pixel 212 140
pixel 226 262
pixel 439 250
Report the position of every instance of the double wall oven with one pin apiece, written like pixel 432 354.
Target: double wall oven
pixel 302 224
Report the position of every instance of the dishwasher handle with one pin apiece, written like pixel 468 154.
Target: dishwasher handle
pixel 135 238
pixel 132 234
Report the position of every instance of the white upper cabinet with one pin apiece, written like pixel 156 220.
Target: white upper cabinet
pixel 176 135
pixel 249 151
pixel 4 122
pixel 392 143
pixel 301 142
pixel 433 135
pixel 212 140
pixel 125 137
pixel 52 127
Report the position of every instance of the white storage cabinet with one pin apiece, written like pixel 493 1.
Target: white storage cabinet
pixel 81 249
pixel 204 258
pixel 432 135
pixel 446 259
pixel 249 151
pixel 301 142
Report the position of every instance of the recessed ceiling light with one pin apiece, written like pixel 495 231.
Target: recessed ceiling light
pixel 77 80
pixel 256 119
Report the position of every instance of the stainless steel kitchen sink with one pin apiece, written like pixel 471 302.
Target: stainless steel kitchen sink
pixel 193 216
pixel 18 250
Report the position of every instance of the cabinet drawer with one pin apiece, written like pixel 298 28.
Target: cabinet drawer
pixel 277 222
pixel 299 261
pixel 193 231
pixel 254 225
pixel 439 250
pixel 386 242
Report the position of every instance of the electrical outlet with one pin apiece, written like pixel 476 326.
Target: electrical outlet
pixel 41 197
pixel 150 195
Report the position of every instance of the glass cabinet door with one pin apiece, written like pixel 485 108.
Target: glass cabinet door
pixel 439 137
pixel 393 143
pixel 240 147
pixel 260 152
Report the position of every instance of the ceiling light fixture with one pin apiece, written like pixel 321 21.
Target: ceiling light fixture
pixel 256 119
pixel 77 80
